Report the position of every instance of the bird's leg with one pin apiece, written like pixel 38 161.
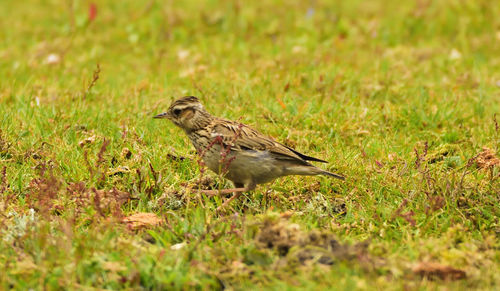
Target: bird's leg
pixel 226 203
pixel 212 193
pixel 237 193
pixel 248 187
pixel 237 190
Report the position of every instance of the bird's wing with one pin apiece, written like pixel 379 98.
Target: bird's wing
pixel 242 137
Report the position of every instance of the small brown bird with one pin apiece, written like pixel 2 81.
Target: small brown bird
pixel 237 151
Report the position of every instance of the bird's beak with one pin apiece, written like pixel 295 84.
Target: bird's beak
pixel 161 115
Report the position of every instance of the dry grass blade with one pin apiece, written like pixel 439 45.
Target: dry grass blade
pixel 95 77
pixel 100 155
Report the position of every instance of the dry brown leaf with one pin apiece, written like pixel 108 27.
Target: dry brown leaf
pixel 142 220
pixel 487 159
pixel 433 270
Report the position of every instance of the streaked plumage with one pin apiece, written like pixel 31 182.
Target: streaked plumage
pixel 242 154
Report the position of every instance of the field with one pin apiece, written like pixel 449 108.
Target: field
pixel 400 97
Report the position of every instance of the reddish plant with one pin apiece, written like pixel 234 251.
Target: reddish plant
pixel 408 216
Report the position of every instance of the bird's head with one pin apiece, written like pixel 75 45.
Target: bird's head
pixel 187 113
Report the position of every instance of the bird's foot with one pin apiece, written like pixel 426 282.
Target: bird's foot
pixel 226 203
pixel 237 193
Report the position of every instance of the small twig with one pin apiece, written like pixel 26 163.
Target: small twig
pixel 87 163
pixel 100 155
pixel 497 131
pixel 408 216
pixel 95 77
pixel 97 202
pixel 139 176
pixel 201 154
pixel 156 177
pixel 100 161
pixel 154 173
pixel 466 172
pixel 497 127
pixel 3 188
pixel 3 180
pixel 225 151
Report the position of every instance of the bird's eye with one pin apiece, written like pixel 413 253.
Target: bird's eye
pixel 177 112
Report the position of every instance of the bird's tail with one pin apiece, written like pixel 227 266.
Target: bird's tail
pixel 310 170
pixel 326 173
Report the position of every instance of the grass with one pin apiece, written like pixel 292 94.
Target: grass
pixel 400 97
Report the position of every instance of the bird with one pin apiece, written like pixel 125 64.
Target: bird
pixel 240 153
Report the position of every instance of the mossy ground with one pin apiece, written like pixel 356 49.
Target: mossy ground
pixel 398 96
